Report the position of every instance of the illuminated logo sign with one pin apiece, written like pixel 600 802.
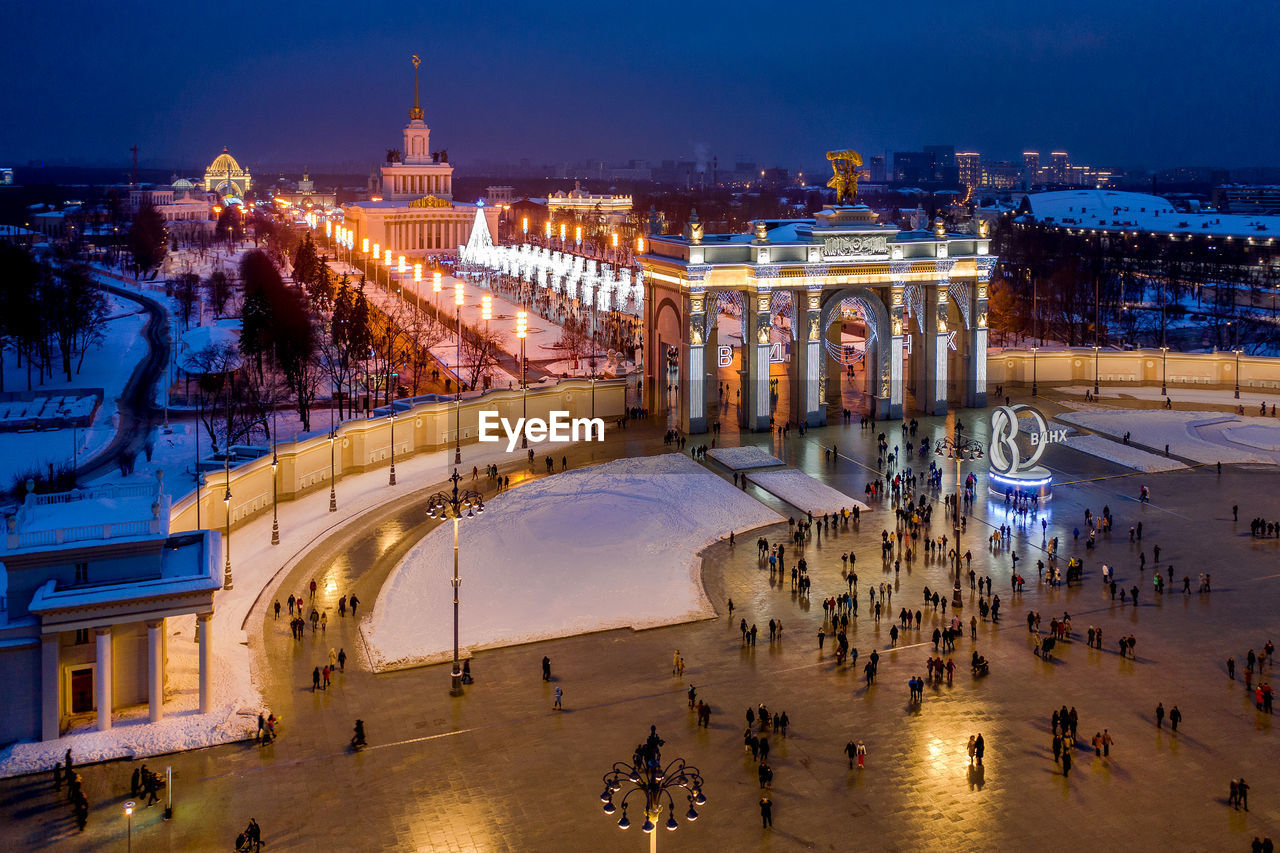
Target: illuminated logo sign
pixel 1006 456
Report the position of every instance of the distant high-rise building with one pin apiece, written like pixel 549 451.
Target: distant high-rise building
pixel 912 167
pixel 1030 167
pixel 877 169
pixel 969 166
pixel 1058 167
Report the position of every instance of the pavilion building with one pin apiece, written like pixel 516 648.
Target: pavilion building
pixel 416 215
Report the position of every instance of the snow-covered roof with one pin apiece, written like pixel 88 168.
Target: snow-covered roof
pixel 1112 210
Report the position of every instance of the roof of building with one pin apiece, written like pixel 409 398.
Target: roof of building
pixel 224 162
pixel 1124 211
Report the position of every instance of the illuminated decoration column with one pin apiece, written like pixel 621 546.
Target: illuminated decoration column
pixel 808 372
pixel 693 361
pixel 975 390
pixel 755 360
pixel 893 409
pixel 931 394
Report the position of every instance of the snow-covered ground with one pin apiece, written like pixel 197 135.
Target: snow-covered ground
pixel 743 458
pixel 804 492
pixel 1126 455
pixel 1200 436
pixel 551 559
pixel 107 366
pixel 1180 395
pixel 259 567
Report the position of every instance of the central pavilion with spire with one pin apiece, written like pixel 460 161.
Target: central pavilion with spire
pixel 415 215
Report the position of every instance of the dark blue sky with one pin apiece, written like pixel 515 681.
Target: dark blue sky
pixel 1134 82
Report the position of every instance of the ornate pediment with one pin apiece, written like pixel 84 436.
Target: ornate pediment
pixel 430 201
pixel 855 245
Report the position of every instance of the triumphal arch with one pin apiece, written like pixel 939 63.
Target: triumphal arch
pixel 815 301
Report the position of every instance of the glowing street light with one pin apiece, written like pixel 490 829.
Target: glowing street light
pixel 457 406
pixel 648 779
pixel 451 505
pixel 522 331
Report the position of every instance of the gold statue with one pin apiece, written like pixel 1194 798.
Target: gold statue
pixel 844 178
pixel 415 113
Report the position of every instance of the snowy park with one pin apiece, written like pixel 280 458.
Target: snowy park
pixel 611 546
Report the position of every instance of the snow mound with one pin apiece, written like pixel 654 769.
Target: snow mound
pixel 742 458
pixel 610 546
pixel 1126 455
pixel 804 492
pixel 1199 436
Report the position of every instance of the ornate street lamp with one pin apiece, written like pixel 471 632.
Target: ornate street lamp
pixel 522 331
pixel 455 505
pixel 457 399
pixel 1096 349
pixel 649 780
pixel 1164 371
pixel 959 448
pixel 1237 352
pixel 1035 388
pixel 333 434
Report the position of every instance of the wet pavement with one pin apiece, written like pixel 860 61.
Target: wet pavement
pixel 498 769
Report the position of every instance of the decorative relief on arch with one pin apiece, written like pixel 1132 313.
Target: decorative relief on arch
pixel 960 292
pixel 913 296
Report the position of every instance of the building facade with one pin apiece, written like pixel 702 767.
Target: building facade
pixel 225 177
pixel 927 287
pixel 89 577
pixel 416 215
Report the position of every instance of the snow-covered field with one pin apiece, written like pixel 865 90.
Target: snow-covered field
pixel 611 546
pixel 1126 455
pixel 1180 395
pixel 1200 436
pixel 743 458
pixel 804 492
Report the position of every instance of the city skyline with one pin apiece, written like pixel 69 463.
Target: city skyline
pixel 300 102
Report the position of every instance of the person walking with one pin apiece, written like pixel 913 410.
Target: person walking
pixel 1175 717
pixel 979 747
pixel 862 755
pixel 546 668
pixel 342 660
pixel 559 696
pixel 973 749
pixel 766 812
pixel 1107 740
pixel 1066 762
pixel 1159 714
pixel 315 679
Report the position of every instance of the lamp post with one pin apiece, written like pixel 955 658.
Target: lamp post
pixel 417 290
pixel 333 434
pixel 654 783
pixel 522 331
pixel 392 480
pixel 1237 352
pixel 1164 371
pixel 275 490
pixel 959 448
pixel 128 815
pixel 451 505
pixel 436 287
pixel 1035 388
pixel 226 568
pixel 1096 349
pixel 457 394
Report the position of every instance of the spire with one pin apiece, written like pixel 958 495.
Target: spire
pixel 415 114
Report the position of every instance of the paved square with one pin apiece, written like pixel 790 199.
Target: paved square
pixel 498 769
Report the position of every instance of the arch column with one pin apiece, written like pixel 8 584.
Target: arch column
pixel 693 364
pixel 974 392
pixel 808 360
pixel 103 677
pixel 931 393
pixel 889 401
pixel 755 360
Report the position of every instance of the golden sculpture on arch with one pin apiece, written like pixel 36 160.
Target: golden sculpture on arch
pixel 844 179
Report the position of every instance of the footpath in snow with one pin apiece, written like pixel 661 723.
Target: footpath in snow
pixel 1123 454
pixel 611 546
pixel 804 492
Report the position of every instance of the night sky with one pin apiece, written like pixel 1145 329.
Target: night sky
pixel 328 83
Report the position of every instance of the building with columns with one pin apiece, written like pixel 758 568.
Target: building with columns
pixel 416 215
pixel 87 580
pixel 917 298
